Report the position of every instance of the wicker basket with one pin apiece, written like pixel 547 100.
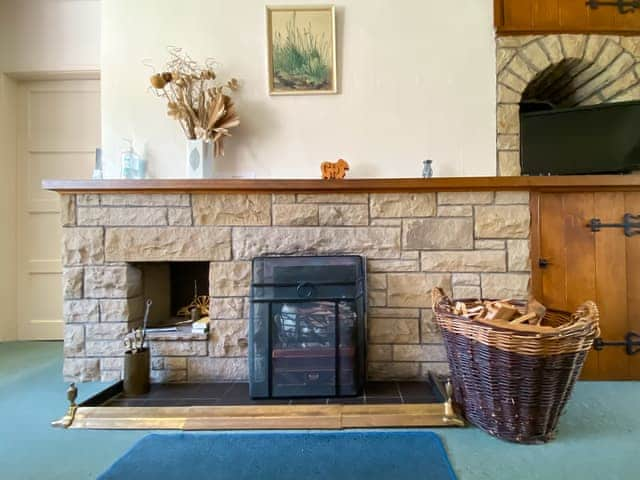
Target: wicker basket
pixel 515 384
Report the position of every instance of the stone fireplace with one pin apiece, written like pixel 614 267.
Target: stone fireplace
pixel 469 243
pixel 563 70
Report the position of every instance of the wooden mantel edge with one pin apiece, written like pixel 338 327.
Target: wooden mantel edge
pixel 549 183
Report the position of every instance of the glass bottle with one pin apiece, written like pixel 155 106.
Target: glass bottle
pixel 427 170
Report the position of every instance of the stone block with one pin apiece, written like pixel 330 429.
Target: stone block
pixel 502 221
pixel 512 198
pixel 377 281
pixel 283 198
pixel 464 198
pixel 505 285
pixel 86 199
pixel 508 142
pixel 168 376
pixel 81 311
pixel 122 216
pixel 429 330
pixel 419 353
pixel 72 281
pixel 394 312
pixel 179 216
pixel 217 369
pixel 573 45
pixel 295 214
pixel 226 308
pixel 402 205
pixel 464 261
pixel 333 197
pixel 112 282
pixel 438 368
pixel 508 78
pixel 343 215
pixel 552 46
pixel 103 348
pixel 145 200
pixel 181 348
pixel 536 56
pixel 385 222
pixel 121 310
pixel 393 330
pixel 414 289
pixel 231 209
pixel 489 244
pixel 81 369
pixel 230 279
pixel 455 210
pixel 503 57
pixel 82 246
pixel 376 298
pixel 508 118
pixel 228 338
pixel 73 340
pixel 519 259
pixel 379 353
pixel 393 266
pixel 465 279
pixel 467 292
pixel 67 210
pixel 507 95
pixel 106 331
pixel 138 244
pixel 509 163
pixel 454 233
pixel 521 68
pixel 374 242
pixel 116 363
pixel 175 363
pixel 393 370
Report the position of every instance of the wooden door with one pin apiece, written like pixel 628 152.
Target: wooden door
pixel 585 265
pixel 58 132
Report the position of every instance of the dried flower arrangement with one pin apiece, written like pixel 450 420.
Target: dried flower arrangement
pixel 196 100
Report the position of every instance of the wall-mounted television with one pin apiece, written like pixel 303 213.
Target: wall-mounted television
pixel 582 140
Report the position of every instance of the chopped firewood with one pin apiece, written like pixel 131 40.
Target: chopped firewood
pixel 460 308
pixel 501 311
pixel 478 311
pixel 534 306
pixel 526 318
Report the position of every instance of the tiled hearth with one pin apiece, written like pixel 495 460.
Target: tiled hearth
pixel 469 243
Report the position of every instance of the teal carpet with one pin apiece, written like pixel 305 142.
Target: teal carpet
pixel 599 435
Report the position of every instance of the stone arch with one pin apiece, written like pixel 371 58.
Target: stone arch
pixel 563 70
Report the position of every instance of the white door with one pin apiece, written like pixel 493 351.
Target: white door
pixel 58 132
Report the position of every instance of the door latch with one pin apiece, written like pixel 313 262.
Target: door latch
pixel 631 343
pixel 630 224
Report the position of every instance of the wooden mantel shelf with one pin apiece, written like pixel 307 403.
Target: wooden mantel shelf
pixel 550 183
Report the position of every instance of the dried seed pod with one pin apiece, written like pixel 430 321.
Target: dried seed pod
pixel 158 81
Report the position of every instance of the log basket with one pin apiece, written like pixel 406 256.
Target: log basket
pixel 514 384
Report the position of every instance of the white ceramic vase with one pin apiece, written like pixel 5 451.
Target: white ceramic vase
pixel 199 159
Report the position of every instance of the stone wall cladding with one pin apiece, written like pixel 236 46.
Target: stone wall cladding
pixel 469 243
pixel 602 68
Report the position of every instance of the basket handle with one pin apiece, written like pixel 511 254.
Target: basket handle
pixel 588 312
pixel 437 296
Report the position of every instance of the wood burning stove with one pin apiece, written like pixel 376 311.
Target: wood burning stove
pixel 307 326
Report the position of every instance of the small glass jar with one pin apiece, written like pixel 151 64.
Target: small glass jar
pixel 427 169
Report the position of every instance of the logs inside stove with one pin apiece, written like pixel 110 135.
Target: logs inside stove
pixel 307 326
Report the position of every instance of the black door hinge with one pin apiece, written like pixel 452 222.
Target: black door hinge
pixel 631 343
pixel 630 224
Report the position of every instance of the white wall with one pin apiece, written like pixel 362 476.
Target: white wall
pixel 417 80
pixel 51 35
pixel 35 36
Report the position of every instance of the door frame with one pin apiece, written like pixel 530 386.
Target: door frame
pixel 20 79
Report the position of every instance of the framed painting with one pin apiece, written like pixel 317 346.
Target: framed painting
pixel 301 50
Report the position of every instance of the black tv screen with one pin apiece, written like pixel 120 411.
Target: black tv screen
pixel 582 140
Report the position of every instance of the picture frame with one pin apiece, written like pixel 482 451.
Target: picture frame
pixel 301 49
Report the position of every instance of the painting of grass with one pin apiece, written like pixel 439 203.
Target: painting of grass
pixel 302 56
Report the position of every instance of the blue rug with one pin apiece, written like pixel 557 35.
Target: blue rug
pixel 286 455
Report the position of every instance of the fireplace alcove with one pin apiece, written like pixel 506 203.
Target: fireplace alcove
pixel 558 71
